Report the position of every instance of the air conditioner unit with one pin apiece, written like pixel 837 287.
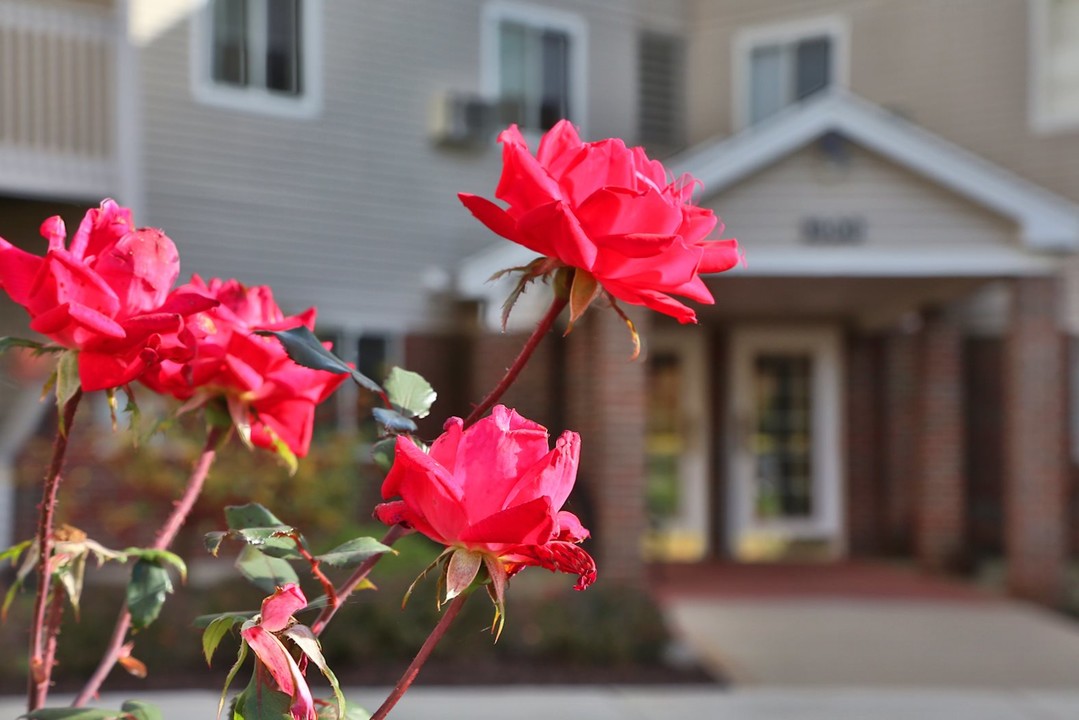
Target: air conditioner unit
pixel 467 120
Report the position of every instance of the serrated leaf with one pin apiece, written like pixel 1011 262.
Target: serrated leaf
pixel 160 557
pixel 353 552
pixel 251 515
pixel 72 714
pixel 147 590
pixel 141 710
pixel 67 382
pixel 304 348
pixel 215 632
pixel 308 644
pixel 393 420
pixel 265 572
pixel 410 392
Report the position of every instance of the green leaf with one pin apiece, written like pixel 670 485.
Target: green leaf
pixel 383 452
pixel 13 552
pixel 306 349
pixel 7 343
pixel 72 714
pixel 146 592
pixel 264 572
pixel 410 392
pixel 141 711
pixel 308 644
pixel 354 552
pixel 251 515
pixel 260 702
pixel 160 557
pixel 203 621
pixel 284 452
pixel 393 420
pixel 215 633
pixel 352 712
pixel 241 655
pixel 274 540
pixel 67 382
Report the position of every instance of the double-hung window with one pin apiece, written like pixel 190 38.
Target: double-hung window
pixel 533 64
pixel 259 55
pixel 1054 65
pixel 779 66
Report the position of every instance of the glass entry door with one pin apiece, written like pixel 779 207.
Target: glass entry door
pixel 785 482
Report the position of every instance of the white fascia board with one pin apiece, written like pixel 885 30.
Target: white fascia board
pixel 848 262
pixel 1046 221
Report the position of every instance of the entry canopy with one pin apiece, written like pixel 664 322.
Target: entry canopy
pixel 1043 224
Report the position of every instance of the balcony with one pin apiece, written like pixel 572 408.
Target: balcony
pixel 60 114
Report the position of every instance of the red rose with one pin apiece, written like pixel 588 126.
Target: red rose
pixel 267 634
pixel 493 493
pixel 106 295
pixel 610 212
pixel 266 390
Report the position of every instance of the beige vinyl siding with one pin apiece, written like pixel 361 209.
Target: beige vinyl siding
pixel 349 209
pixel 956 67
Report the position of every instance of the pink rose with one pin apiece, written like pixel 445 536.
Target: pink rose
pixel 610 212
pixel 264 636
pixel 266 390
pixel 493 492
pixel 106 295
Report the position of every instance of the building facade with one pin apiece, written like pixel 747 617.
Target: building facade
pixel 888 375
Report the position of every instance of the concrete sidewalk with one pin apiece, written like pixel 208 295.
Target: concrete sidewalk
pixel 614 703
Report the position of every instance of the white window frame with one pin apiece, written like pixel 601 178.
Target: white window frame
pixel 260 100
pixel 498 11
pixel 1042 120
pixel 835 27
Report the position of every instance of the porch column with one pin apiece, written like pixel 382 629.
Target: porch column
pixel 864 486
pixel 606 404
pixel 899 418
pixel 1035 487
pixel 941 510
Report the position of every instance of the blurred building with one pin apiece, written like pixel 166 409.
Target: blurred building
pixel 890 374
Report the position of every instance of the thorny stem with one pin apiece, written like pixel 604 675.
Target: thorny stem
pixel 327 586
pixel 342 593
pixel 41 670
pixel 542 328
pixel 421 657
pixel 164 538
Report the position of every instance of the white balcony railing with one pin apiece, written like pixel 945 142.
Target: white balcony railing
pixel 58 103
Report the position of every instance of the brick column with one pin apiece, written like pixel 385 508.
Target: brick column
pixel 1035 392
pixel 864 486
pixel 899 418
pixel 941 499
pixel 606 404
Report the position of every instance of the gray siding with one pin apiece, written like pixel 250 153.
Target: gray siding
pixel 347 210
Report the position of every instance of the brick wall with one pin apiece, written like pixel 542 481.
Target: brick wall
pixel 899 431
pixel 864 486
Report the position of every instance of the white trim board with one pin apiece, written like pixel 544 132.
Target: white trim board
pixel 1046 222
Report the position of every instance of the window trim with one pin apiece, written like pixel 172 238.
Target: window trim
pixel 1040 119
pixel 836 27
pixel 498 11
pixel 258 100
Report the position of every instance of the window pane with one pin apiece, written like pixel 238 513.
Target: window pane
pixel 813 58
pixel 512 77
pixel 554 99
pixel 1062 66
pixel 283 72
pixel 660 91
pixel 767 91
pixel 782 436
pixel 229 63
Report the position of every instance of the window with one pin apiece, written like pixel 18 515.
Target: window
pixel 660 92
pixel 779 66
pixel 1054 64
pixel 258 55
pixel 533 64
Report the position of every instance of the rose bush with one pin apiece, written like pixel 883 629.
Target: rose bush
pixel 267 392
pixel 491 493
pixel 105 295
pixel 611 213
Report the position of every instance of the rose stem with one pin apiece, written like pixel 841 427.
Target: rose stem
pixel 354 580
pixel 40 671
pixel 164 538
pixel 542 328
pixel 421 657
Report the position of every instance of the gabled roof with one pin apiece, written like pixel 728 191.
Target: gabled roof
pixel 1046 222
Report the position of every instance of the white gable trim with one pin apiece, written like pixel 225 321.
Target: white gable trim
pixel 1046 221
